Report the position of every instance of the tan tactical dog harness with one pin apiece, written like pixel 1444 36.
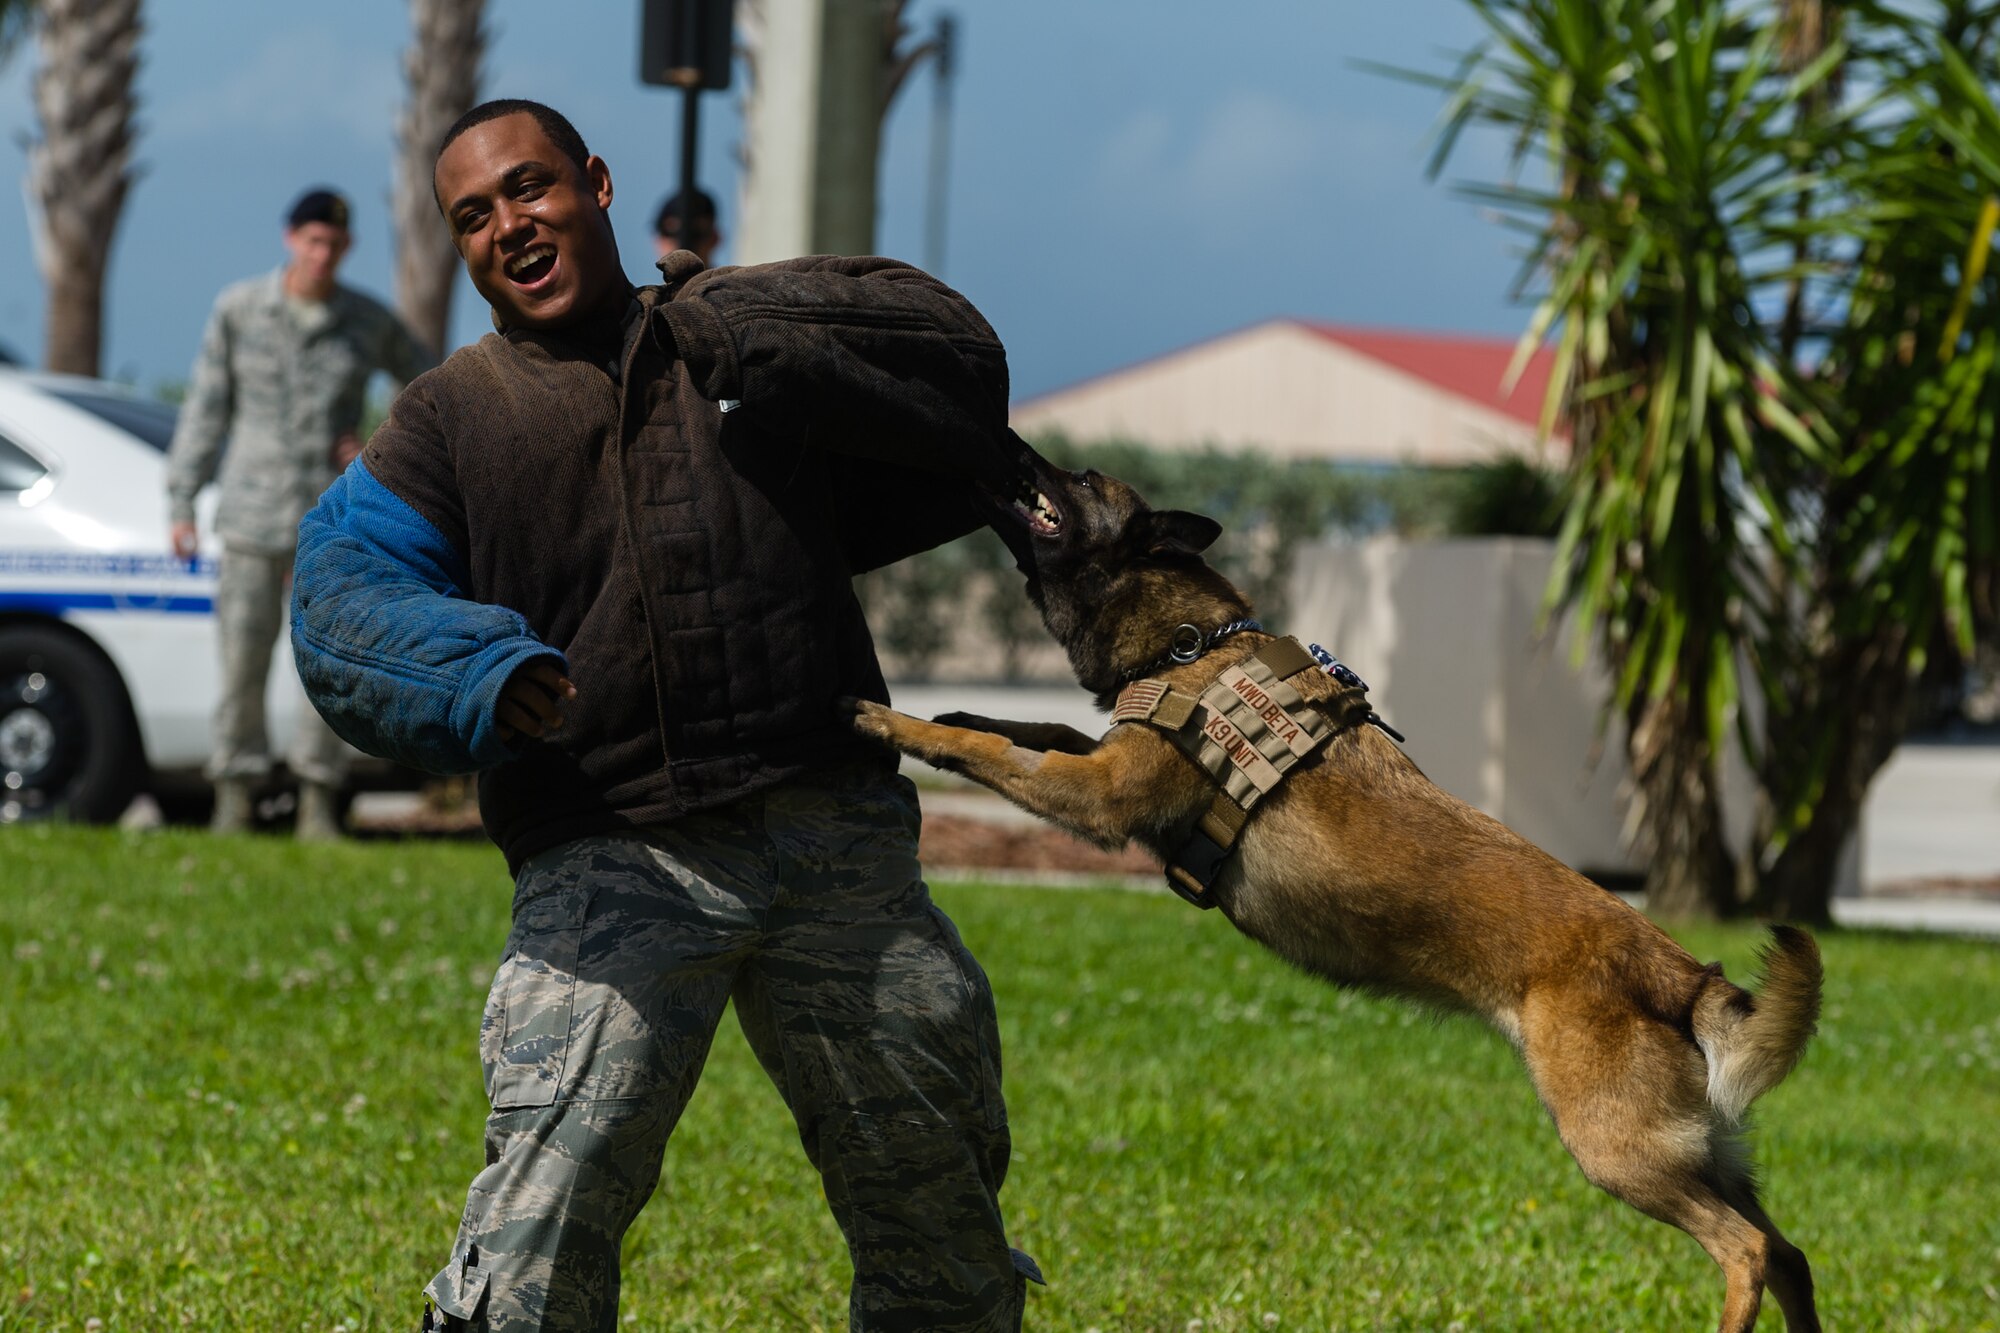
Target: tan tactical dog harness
pixel 1246 730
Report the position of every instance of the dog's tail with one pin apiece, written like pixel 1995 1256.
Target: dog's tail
pixel 1752 1041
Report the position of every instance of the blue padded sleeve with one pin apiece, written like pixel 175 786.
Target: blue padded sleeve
pixel 391 652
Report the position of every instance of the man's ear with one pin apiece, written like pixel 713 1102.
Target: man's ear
pixel 1177 532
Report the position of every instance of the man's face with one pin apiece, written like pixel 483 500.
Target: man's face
pixel 530 227
pixel 704 245
pixel 316 249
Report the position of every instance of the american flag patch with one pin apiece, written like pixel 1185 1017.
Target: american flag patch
pixel 1334 667
pixel 1138 701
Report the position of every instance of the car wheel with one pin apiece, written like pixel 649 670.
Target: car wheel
pixel 68 746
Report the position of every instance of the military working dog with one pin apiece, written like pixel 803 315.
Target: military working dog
pixel 1359 870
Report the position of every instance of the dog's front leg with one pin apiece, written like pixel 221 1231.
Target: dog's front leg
pixel 1027 735
pixel 1085 793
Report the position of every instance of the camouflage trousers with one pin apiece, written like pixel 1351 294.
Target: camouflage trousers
pixel 805 905
pixel 250 593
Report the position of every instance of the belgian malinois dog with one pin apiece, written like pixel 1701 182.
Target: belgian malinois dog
pixel 1357 869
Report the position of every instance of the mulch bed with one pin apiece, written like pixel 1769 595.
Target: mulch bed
pixel 964 842
pixel 960 841
pixel 949 840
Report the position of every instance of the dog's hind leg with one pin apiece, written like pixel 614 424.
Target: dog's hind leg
pixel 1787 1272
pixel 1629 1098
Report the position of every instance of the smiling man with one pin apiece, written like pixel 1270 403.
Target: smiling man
pixel 604 558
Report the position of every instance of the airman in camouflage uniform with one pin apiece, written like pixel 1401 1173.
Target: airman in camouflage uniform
pixel 804 904
pixel 280 379
pixel 604 558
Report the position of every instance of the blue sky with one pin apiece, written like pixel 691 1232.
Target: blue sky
pixel 1127 177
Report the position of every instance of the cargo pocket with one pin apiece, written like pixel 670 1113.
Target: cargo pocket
pixel 459 1292
pixel 983 1021
pixel 525 1035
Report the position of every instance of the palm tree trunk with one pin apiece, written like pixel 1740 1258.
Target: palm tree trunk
pixel 1690 872
pixel 73 335
pixel 80 169
pixel 837 210
pixel 1809 27
pixel 1859 720
pixel 442 67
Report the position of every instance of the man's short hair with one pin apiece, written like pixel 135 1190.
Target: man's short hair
pixel 319 204
pixel 701 214
pixel 554 124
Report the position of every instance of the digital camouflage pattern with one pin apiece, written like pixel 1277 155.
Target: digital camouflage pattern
pixel 278 381
pixel 806 905
pixel 250 593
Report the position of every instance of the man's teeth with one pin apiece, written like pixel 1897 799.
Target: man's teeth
pixel 532 255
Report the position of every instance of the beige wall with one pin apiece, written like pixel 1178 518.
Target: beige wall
pixel 1287 390
pixel 1445 634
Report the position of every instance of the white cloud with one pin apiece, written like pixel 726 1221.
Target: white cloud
pixel 1249 148
pixel 1248 152
pixel 303 81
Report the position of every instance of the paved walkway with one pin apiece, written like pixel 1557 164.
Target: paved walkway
pixel 1948 916
pixel 1976 917
pixel 1933 813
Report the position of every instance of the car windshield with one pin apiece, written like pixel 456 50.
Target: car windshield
pixel 142 417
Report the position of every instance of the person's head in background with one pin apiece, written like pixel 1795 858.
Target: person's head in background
pixel 316 239
pixel 667 226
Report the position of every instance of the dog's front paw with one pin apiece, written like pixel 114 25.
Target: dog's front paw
pixel 968 721
pixel 868 718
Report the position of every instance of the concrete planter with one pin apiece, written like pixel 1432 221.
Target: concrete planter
pixel 1446 635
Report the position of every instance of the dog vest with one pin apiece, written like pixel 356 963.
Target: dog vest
pixel 1246 730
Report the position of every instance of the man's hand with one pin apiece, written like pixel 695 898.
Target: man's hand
pixel 345 450
pixel 532 701
pixel 185 540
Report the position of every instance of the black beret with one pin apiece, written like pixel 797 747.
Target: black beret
pixel 667 221
pixel 318 205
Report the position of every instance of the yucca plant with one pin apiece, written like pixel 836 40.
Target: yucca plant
pixel 1899 529
pixel 1660 144
pixel 1779 358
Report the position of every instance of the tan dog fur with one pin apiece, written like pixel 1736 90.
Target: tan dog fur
pixel 1359 870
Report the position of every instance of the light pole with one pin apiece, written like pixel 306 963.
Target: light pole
pixel 944 53
pixel 685 44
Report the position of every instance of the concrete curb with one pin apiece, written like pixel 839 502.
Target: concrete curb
pixel 1977 918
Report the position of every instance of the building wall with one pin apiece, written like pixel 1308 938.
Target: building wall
pixel 1448 636
pixel 1445 635
pixel 1288 391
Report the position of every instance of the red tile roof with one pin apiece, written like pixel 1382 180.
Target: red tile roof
pixel 1470 367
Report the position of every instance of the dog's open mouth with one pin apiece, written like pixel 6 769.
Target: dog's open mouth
pixel 1034 508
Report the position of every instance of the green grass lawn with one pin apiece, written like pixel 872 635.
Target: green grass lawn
pixel 239 1089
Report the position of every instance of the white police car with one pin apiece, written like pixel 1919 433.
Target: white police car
pixel 108 667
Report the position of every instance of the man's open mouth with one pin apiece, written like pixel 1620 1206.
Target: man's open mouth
pixel 532 265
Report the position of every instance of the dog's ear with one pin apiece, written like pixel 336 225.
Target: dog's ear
pixel 1178 532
